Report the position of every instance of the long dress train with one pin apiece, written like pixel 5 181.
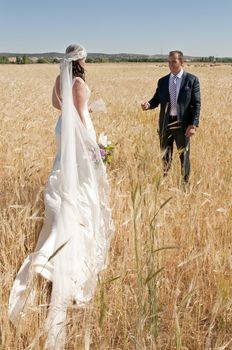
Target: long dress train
pixel 74 240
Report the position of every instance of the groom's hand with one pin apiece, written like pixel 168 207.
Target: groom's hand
pixel 191 130
pixel 145 106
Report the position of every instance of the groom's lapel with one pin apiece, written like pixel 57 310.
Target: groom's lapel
pixel 183 80
pixel 166 87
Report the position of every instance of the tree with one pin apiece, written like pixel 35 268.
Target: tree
pixel 26 60
pixel 211 59
pixel 18 60
pixel 4 60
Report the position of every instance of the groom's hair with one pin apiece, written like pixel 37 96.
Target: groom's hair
pixel 180 54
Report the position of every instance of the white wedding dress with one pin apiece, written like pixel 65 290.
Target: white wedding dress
pixel 74 241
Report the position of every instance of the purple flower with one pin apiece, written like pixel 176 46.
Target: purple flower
pixel 103 153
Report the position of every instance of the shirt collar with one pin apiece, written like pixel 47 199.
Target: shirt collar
pixel 179 75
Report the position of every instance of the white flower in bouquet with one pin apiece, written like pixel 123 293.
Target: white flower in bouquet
pixel 106 148
pixel 103 140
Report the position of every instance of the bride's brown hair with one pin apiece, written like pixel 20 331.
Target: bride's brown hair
pixel 78 70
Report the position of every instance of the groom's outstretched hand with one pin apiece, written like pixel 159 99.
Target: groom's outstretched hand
pixel 191 130
pixel 145 106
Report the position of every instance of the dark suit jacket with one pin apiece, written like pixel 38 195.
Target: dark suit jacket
pixel 188 103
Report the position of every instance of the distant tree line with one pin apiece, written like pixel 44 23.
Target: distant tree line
pixel 104 59
pixel 27 60
pixel 155 59
pixel 213 59
pixel 123 59
pixel 47 60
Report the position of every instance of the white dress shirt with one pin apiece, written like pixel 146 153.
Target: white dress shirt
pixel 173 110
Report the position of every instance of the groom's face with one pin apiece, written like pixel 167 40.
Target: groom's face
pixel 175 63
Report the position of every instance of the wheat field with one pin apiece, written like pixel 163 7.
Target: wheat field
pixel 168 284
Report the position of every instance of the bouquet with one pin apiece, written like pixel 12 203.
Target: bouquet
pixel 98 106
pixel 106 148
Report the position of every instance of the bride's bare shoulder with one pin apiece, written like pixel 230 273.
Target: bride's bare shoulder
pixel 79 86
pixel 78 80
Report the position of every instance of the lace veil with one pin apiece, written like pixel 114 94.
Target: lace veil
pixel 78 194
pixel 83 224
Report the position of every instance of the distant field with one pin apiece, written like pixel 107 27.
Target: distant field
pixel 169 281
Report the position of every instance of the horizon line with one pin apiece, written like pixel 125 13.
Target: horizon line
pixel 104 53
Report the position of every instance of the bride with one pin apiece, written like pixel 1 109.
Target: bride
pixel 74 240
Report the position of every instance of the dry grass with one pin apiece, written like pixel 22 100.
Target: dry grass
pixel 179 297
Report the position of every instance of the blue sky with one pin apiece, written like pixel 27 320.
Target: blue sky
pixel 199 28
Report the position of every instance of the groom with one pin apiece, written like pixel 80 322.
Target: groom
pixel 178 94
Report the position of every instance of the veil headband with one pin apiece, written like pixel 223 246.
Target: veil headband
pixel 75 52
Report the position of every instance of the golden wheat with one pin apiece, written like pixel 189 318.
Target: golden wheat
pixel 169 281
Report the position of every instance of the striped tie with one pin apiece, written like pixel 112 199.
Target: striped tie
pixel 173 92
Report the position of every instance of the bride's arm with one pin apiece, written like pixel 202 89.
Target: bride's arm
pixel 79 97
pixel 56 100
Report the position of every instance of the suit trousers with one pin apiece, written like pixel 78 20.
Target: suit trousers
pixel 175 132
